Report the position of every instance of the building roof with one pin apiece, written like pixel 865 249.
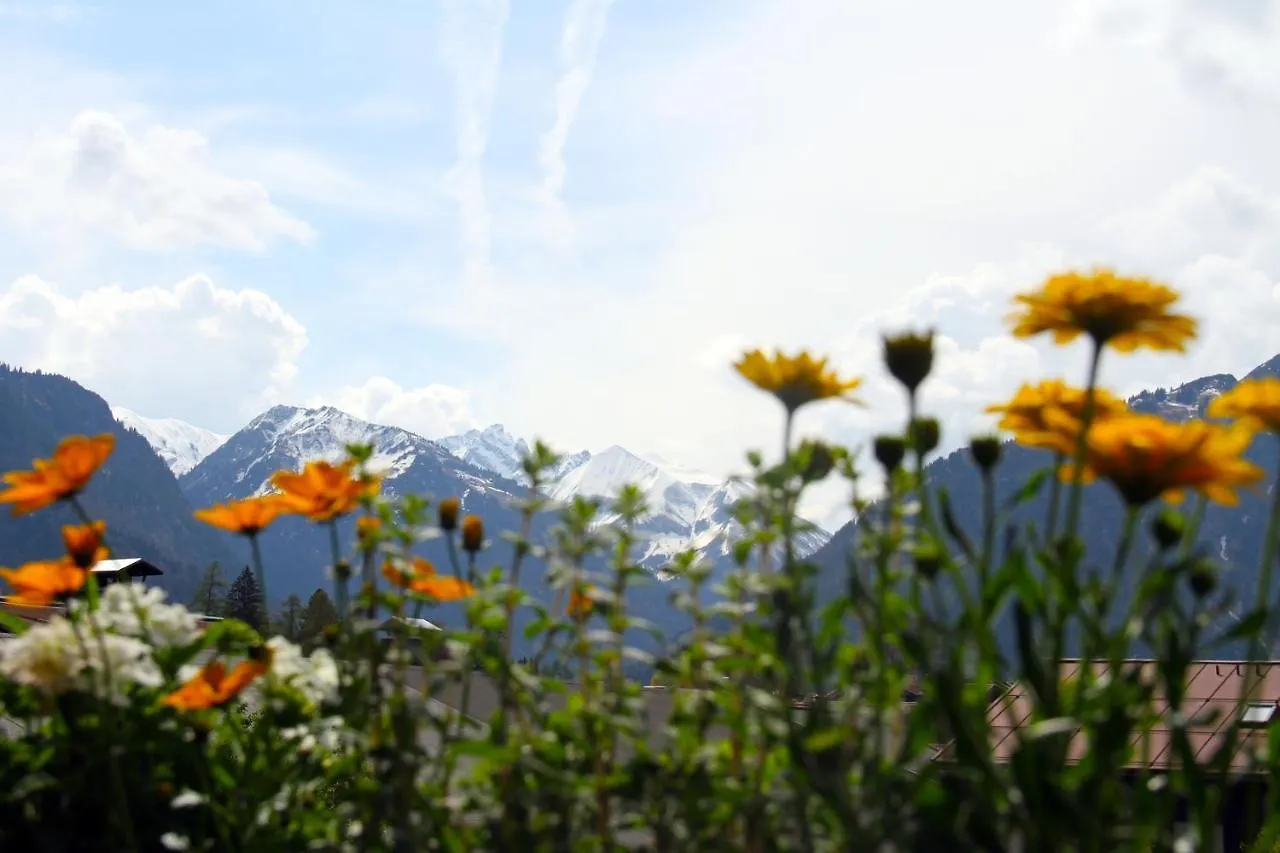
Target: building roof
pixel 1211 686
pixel 135 566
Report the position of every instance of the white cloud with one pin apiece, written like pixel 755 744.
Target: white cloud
pixel 194 350
pixel 433 411
pixel 153 192
pixel 472 48
pixel 584 26
pixel 1218 46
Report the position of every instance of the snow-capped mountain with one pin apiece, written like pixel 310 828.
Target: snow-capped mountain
pixel 687 507
pixel 180 444
pixel 286 437
pixel 495 449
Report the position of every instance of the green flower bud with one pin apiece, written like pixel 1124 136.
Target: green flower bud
pixel 909 358
pixel 985 450
pixel 890 450
pixel 924 435
pixel 1168 528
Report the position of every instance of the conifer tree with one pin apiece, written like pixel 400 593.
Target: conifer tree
pixel 209 596
pixel 318 615
pixel 244 600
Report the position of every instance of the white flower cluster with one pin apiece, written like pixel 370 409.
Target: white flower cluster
pixel 314 677
pixel 143 613
pixel 103 651
pixel 59 656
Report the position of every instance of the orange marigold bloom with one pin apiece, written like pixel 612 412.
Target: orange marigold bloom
pixel 84 543
pixel 795 380
pixel 323 491
pixel 1146 457
pixel 62 476
pixel 1049 414
pixel 248 517
pixel 580 603
pixel 1123 313
pixel 213 686
pixel 423 579
pixel 41 583
pixel 1254 404
pixel 472 534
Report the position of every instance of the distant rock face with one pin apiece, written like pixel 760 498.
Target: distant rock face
pixel 181 445
pixel 1187 401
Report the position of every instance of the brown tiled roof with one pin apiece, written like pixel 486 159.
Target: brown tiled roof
pixel 1211 685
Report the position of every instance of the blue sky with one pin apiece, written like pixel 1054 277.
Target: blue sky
pixel 569 217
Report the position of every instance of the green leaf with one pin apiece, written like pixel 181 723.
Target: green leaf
pixel 1028 489
pixel 951 524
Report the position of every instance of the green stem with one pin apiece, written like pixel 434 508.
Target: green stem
pixel 1192 529
pixel 261 576
pixel 339 578
pixel 1266 566
pixel 1126 542
pixel 988 538
pixel 1055 498
pixel 1086 420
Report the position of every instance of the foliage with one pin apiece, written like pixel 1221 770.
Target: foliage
pixel 244 600
pixel 134 728
pixel 210 595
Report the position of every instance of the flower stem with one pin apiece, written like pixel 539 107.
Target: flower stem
pixel 261 576
pixel 339 578
pixel 1086 420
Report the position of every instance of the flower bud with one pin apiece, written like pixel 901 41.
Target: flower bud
pixel 819 460
pixel 472 534
pixel 909 358
pixel 889 451
pixel 448 513
pixel 924 434
pixel 1168 528
pixel 367 530
pixel 985 450
pixel 1203 578
pixel 928 561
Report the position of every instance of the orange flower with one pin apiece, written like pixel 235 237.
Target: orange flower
pixel 247 517
pixel 423 579
pixel 323 491
pixel 472 534
pixel 1049 415
pixel 795 380
pixel 213 686
pixel 41 583
pixel 1146 457
pixel 84 543
pixel 64 475
pixel 580 603
pixel 1124 313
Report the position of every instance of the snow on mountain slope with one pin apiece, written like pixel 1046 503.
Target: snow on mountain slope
pixel 180 444
pixel 687 507
pixel 287 437
pixel 495 449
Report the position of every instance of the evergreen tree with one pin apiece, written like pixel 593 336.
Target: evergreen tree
pixel 319 614
pixel 289 623
pixel 244 600
pixel 209 597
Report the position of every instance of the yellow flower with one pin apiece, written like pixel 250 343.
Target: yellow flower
pixel 41 583
pixel 213 685
pixel 1146 457
pixel 423 579
pixel 795 380
pixel 1254 403
pixel 84 543
pixel 247 517
pixel 1123 313
pixel 64 475
pixel 323 491
pixel 1048 415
